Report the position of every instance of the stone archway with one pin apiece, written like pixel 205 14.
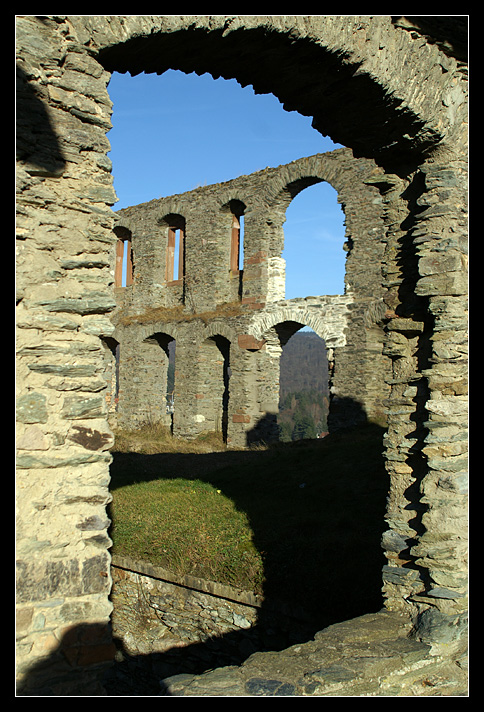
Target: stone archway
pixel 406 83
pixel 346 55
pixel 326 316
pixel 148 397
pixel 213 389
pixel 314 243
pixel 267 366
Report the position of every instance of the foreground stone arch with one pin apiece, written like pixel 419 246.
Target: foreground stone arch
pixel 405 79
pixel 352 54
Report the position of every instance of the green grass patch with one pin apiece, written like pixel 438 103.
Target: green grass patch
pixel 187 526
pixel 301 522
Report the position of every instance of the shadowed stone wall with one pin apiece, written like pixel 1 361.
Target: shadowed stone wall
pixel 405 79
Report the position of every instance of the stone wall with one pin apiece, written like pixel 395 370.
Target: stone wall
pixel 247 310
pixel 185 636
pixel 190 624
pixel 405 79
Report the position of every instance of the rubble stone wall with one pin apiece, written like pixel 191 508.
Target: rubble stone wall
pixel 404 80
pixel 245 310
pixel 156 612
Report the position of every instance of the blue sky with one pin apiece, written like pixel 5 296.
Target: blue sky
pixel 174 132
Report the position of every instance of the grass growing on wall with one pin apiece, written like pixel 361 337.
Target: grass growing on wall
pixel 299 521
pixel 176 314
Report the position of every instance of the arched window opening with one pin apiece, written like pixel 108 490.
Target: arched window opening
pixel 175 249
pixel 235 222
pixel 174 255
pixel 314 234
pixel 174 262
pixel 236 243
pixel 304 385
pixel 123 275
pixel 237 209
pixel 213 397
pixel 159 374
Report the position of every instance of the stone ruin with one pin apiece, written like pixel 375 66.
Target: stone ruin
pixel 222 320
pixel 93 351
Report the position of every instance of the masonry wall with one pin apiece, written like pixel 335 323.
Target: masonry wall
pixel 194 622
pixel 405 79
pixel 248 311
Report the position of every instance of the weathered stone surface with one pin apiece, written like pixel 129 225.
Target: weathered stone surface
pixel 248 313
pixel 79 407
pixel 371 656
pixel 402 182
pixel 32 408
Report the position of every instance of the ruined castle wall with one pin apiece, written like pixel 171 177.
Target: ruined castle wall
pixel 405 82
pixel 65 295
pixel 210 289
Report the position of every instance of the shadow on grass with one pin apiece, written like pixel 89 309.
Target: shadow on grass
pixel 316 509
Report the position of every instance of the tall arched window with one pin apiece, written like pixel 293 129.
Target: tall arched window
pixel 175 249
pixel 123 275
pixel 314 235
pixel 237 236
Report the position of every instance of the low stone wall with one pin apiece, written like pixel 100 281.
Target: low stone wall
pixel 187 624
pixel 186 636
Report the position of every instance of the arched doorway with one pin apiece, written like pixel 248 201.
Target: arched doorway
pixel 155 371
pixel 213 389
pixel 304 388
pixel 293 384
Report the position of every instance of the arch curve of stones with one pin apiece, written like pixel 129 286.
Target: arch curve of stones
pixel 326 316
pixel 403 186
pixel 148 332
pixel 219 329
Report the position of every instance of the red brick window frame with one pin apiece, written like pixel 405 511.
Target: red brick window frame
pixel 236 239
pixel 123 273
pixel 175 251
